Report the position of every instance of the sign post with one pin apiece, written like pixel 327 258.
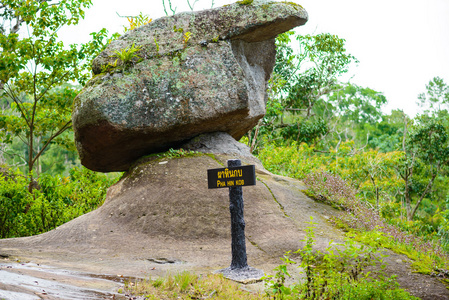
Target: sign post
pixel 237 223
pixel 234 177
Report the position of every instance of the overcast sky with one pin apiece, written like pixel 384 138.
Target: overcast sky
pixel 401 44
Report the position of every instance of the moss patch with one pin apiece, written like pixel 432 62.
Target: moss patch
pixel 214 158
pixel 245 2
pixel 295 5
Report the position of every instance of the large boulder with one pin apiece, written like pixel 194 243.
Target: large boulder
pixel 194 73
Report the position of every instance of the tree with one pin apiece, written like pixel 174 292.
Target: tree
pixel 387 134
pixel 354 111
pixel 378 168
pixel 300 80
pixel 426 145
pixel 35 69
pixel 357 105
pixel 426 150
pixel 436 97
pixel 321 60
pixel 435 100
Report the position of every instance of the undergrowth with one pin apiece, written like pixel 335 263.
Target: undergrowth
pixel 186 285
pixel 364 223
pixel 177 153
pixel 342 271
pixel 54 201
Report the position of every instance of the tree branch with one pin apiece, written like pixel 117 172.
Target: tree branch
pixel 15 155
pixel 16 100
pixel 124 16
pixel 320 151
pixel 169 3
pixel 405 134
pixel 54 81
pixel 60 131
pixel 428 187
pixel 193 5
pixel 23 140
pixel 19 20
pixel 297 109
pixel 253 142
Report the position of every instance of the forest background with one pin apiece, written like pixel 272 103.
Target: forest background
pixel 332 134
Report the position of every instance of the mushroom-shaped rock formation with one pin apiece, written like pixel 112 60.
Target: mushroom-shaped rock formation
pixel 166 82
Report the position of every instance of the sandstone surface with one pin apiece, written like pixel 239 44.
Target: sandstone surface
pixel 162 214
pixel 160 218
pixel 194 73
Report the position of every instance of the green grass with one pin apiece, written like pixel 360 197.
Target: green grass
pixel 186 285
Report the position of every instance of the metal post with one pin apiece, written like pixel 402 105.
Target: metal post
pixel 239 259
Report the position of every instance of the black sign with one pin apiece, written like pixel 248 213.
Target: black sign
pixel 230 177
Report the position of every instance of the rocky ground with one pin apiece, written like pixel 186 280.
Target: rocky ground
pixel 162 218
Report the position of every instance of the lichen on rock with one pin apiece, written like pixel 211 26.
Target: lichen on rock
pixel 196 72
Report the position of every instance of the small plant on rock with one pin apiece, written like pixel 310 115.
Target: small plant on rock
pixel 109 67
pixel 138 21
pixel 128 54
pixel 187 37
pixel 177 153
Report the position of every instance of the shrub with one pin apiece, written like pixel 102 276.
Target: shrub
pixel 372 172
pixel 366 220
pixel 14 202
pixel 57 200
pixel 338 273
pixel 294 161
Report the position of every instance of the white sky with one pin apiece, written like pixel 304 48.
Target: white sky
pixel 401 44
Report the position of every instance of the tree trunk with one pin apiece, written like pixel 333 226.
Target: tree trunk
pixel 30 162
pixel 253 142
pixel 407 197
pixel 426 191
pixel 408 207
pixel 377 198
pixel 376 188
